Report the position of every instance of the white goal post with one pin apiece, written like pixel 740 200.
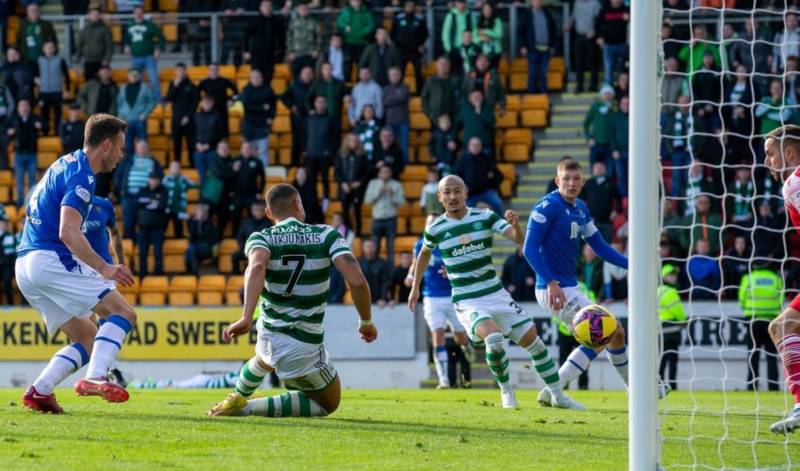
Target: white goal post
pixel 644 235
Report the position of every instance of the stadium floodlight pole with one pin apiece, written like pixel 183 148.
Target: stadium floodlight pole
pixel 643 230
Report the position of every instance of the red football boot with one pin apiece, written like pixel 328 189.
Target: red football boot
pixel 101 387
pixel 32 400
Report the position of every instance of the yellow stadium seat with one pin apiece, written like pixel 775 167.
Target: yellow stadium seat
pixel 516 152
pixel 405 243
pixel 555 80
pixel 234 285
pixel 210 289
pixel 166 126
pixel 228 246
pixel 539 101
pixel 518 136
pixel 509 119
pixel 534 118
pixel 278 85
pixel 228 71
pixel 419 121
pixel 520 64
pixel 282 71
pixel 197 72
pixel 45 159
pixel 413 189
pixel 182 289
pixel 402 225
pixel 411 83
pixel 281 124
pixel 505 189
pixel 153 290
pixel 556 64
pixel 518 82
pixel 416 224
pixel 414 172
pixel 6 178
pixel 415 105
pixel 281 109
pixel 153 127
pixel 49 144
pixel 244 71
pixel 424 155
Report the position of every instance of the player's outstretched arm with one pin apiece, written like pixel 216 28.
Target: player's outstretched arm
pixel 514 233
pixel 606 252
pixel 420 264
pixel 69 231
pixel 257 261
pixel 359 289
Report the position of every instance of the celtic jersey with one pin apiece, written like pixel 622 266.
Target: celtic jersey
pixel 466 248
pixel 295 290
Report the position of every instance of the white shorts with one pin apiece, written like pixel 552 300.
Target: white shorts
pixel 439 312
pixel 59 295
pixel 301 366
pixel 576 301
pixel 513 321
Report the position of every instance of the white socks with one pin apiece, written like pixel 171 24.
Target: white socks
pixel 65 362
pixel 619 358
pixel 577 363
pixel 107 344
pixel 440 360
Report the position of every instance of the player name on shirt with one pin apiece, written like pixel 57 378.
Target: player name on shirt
pixel 295 291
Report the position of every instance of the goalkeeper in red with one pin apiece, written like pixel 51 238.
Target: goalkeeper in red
pixel 782 148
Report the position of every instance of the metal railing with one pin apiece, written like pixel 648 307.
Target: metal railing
pixel 434 18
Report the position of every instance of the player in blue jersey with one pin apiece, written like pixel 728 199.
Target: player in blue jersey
pixel 99 221
pixel 558 224
pixel 64 278
pixel 437 308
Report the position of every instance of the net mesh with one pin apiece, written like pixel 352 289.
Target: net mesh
pixel 729 76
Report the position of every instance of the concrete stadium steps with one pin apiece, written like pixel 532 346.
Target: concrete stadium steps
pixel 563 137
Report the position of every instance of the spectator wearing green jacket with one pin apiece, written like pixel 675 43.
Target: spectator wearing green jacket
pixel 476 119
pixel 356 24
pixel 95 44
pixel 177 187
pixel 135 102
pixel 144 41
pixel 673 321
pixel 457 20
pixel 488 81
pixel 488 33
pixel 692 54
pixel 773 111
pixel 597 126
pixel 619 145
pixel 33 33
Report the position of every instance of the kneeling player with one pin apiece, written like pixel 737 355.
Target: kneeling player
pixel 289 265
pixel 484 307
pixel 438 310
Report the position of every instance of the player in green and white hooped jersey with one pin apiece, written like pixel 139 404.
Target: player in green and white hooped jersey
pixel 484 307
pixel 287 278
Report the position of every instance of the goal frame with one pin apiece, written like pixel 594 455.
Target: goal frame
pixel 644 235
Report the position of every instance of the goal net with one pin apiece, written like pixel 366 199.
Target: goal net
pixel 729 75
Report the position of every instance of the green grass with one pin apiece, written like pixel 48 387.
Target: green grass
pixel 387 429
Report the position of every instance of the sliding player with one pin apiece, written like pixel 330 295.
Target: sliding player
pixel 557 224
pixel 438 310
pixel 289 266
pixel 64 279
pixel 782 148
pixel 484 307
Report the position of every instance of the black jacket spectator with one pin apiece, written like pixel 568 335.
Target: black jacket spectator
pixel 518 278
pixel 152 207
pixel 203 235
pixel 334 91
pixel 18 77
pixel 395 103
pixel 526 30
pixel 295 99
pixel 477 171
pixel 184 98
pixel 71 133
pixel 409 34
pixel 266 39
pixel 217 88
pixel 443 147
pixel 378 274
pixel 612 24
pixel 234 30
pixel 398 291
pixel 352 168
pixel 319 142
pixel 26 133
pixel 601 196
pixel 308 196
pixel 248 179
pixel 391 156
pixel 259 106
pixel 209 129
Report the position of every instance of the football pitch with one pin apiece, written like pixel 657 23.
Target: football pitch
pixel 389 429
